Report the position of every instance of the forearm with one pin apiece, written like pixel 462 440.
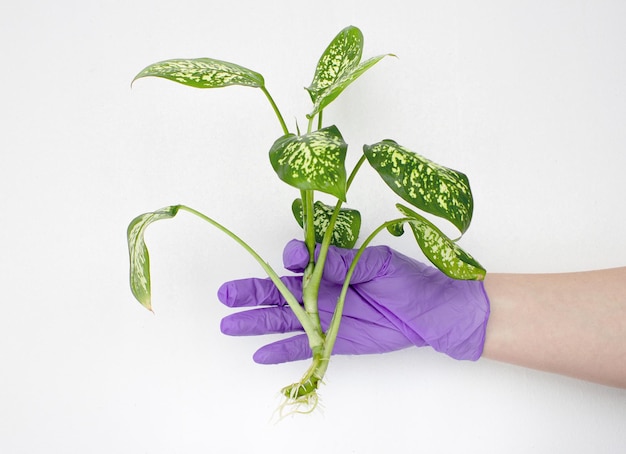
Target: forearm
pixel 572 324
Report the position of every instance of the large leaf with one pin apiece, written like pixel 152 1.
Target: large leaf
pixel 338 67
pixel 444 253
pixel 312 161
pixel 138 252
pixel 203 73
pixel 347 226
pixel 424 184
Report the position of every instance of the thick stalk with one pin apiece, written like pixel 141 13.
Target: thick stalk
pixel 310 287
pixel 313 274
pixel 315 374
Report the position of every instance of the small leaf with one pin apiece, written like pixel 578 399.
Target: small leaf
pixel 444 253
pixel 347 225
pixel 203 73
pixel 424 184
pixel 338 67
pixel 138 252
pixel 312 161
pixel 396 229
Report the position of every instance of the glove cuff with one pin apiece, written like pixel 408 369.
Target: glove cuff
pixel 464 338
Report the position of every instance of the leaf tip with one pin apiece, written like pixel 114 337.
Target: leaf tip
pixel 148 305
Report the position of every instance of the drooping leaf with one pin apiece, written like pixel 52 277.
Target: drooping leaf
pixel 138 252
pixel 312 161
pixel 203 73
pixel 338 67
pixel 426 185
pixel 347 225
pixel 444 253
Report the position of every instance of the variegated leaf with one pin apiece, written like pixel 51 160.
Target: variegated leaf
pixel 347 226
pixel 444 253
pixel 314 161
pixel 424 184
pixel 342 55
pixel 338 67
pixel 203 73
pixel 138 252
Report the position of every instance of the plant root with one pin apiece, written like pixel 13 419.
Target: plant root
pixel 299 398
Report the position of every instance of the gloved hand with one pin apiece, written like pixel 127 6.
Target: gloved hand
pixel 393 302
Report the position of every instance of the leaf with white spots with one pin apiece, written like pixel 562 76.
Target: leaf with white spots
pixel 444 253
pixel 314 161
pixel 424 184
pixel 346 229
pixel 203 73
pixel 338 67
pixel 138 252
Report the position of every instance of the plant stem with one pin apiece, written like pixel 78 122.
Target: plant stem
pixel 310 287
pixel 311 328
pixel 312 281
pixel 310 125
pixel 321 260
pixel 283 125
pixel 333 329
pixel 355 171
pixel 319 119
pixel 308 214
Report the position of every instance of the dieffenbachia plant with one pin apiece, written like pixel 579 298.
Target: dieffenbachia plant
pixel 314 162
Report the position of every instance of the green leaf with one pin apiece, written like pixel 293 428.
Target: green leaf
pixel 203 73
pixel 314 161
pixel 138 252
pixel 424 184
pixel 444 253
pixel 338 67
pixel 396 229
pixel 347 225
pixel 342 55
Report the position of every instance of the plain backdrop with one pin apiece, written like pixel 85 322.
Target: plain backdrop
pixel 528 98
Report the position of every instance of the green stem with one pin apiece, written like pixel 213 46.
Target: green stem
pixel 308 214
pixel 354 171
pixel 319 119
pixel 310 287
pixel 313 275
pixel 283 125
pixel 310 327
pixel 321 260
pixel 333 329
pixel 310 126
pixel 306 387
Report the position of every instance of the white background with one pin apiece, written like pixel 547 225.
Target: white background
pixel 528 98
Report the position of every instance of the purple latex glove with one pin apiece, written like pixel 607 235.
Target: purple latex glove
pixel 394 302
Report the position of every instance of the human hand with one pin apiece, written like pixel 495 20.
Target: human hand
pixel 393 302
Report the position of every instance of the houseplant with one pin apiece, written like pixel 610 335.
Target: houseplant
pixel 314 163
